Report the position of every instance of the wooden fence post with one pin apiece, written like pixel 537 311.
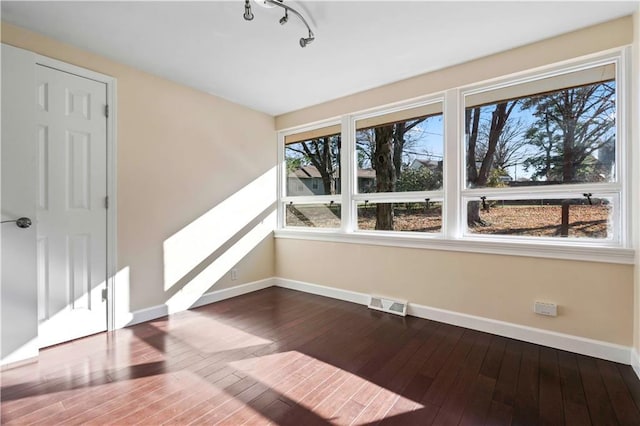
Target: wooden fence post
pixel 564 226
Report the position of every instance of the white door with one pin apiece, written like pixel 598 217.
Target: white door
pixel 18 295
pixel 71 146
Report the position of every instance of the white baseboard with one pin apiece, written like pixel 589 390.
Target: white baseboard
pixel 567 342
pixel 158 311
pixel 228 293
pixel 17 364
pixel 320 290
pixel 635 361
pixel 146 314
pixel 25 353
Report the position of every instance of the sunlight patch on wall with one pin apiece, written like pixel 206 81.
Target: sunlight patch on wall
pixel 187 248
pixel 199 284
pixel 122 294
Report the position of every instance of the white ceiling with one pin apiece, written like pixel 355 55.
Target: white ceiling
pixel 359 44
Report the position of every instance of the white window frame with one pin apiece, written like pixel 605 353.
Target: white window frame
pixel 616 189
pixel 390 197
pixel 614 230
pixel 284 199
pixel 454 192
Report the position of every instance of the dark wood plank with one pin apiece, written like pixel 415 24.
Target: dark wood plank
pixel 447 374
pixel 631 380
pixel 526 406
pixel 600 409
pixel 575 403
pixel 626 410
pixel 454 406
pixel 551 407
pixel 499 414
pixel 507 380
pixel 477 410
pixel 493 360
pixel 451 336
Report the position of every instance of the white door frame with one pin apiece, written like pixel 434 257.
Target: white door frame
pixel 112 234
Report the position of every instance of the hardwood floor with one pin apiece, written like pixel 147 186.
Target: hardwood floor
pixel 284 357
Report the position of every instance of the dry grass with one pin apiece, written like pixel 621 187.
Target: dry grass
pixel 539 221
pixel 413 219
pixel 544 221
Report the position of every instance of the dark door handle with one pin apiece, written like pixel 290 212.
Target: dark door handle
pixel 23 222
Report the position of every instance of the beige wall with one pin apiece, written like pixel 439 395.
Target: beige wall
pixel 596 300
pixel 181 153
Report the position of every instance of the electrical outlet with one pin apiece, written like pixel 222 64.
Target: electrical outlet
pixel 545 308
pixel 234 274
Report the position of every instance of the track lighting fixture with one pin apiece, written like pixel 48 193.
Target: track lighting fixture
pixel 248 16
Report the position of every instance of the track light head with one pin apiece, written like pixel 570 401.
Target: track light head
pixel 248 14
pixel 305 41
pixel 285 18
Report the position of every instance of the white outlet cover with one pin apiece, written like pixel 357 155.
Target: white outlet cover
pixel 545 308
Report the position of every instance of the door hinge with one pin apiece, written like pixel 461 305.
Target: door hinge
pixel 104 294
pixel 106 202
pixel 106 111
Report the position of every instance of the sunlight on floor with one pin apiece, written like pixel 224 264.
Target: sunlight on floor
pixel 226 337
pixel 342 398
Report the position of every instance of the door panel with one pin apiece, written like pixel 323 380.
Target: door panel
pixel 71 154
pixel 18 291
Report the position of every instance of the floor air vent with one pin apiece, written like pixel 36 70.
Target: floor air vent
pixel 380 303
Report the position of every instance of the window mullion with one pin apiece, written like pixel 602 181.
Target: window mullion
pixel 281 179
pixel 453 164
pixel 624 161
pixel 348 173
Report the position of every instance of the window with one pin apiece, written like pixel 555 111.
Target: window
pixel 528 165
pixel 528 142
pixel 312 178
pixel 399 164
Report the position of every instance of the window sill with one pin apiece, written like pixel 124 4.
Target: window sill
pixel 511 248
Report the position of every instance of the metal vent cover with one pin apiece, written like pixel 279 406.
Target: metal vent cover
pixel 386 304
